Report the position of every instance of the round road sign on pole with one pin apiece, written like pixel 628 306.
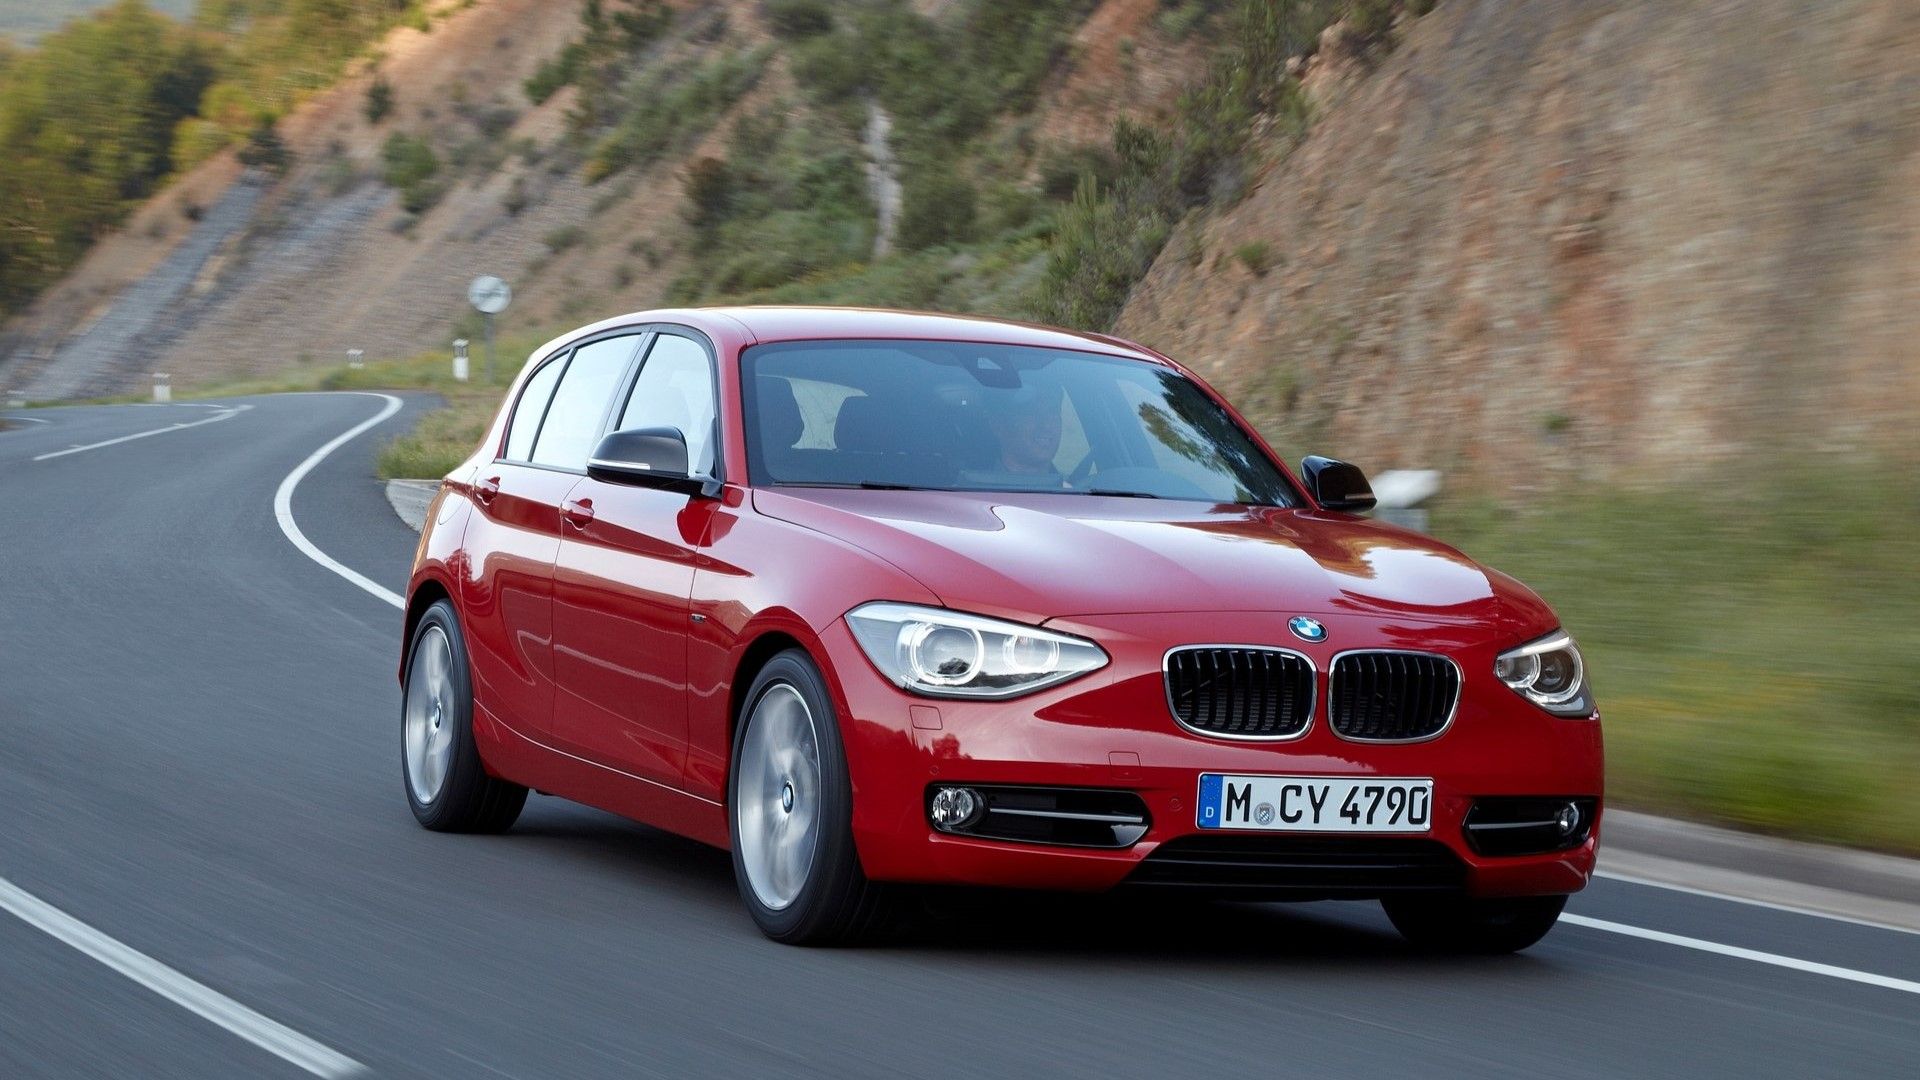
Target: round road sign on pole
pixel 488 294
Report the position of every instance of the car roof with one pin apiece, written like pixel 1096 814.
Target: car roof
pixel 761 324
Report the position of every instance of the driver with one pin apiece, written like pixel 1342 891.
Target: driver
pixel 1027 424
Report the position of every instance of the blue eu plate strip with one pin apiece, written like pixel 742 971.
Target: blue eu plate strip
pixel 1209 809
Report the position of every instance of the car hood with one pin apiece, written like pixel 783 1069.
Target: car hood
pixel 1039 557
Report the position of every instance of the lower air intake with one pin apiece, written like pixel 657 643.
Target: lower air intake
pixel 1300 868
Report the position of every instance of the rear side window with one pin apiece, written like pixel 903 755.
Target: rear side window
pixel 580 404
pixel 675 390
pixel 533 406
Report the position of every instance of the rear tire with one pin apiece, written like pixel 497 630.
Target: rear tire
pixel 790 813
pixel 446 785
pixel 1467 925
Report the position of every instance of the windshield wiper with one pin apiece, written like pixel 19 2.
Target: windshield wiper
pixel 867 485
pixel 1118 494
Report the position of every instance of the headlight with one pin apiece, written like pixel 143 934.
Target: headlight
pixel 952 654
pixel 1548 672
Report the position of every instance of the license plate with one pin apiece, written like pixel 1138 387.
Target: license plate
pixel 1364 804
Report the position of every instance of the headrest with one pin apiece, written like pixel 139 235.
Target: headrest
pixel 780 421
pixel 867 424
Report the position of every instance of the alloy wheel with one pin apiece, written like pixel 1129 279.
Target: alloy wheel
pixel 429 715
pixel 777 800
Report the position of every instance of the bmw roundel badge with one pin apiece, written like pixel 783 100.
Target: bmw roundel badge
pixel 1307 629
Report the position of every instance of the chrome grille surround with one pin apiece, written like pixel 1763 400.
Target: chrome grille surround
pixel 1438 678
pixel 1191 671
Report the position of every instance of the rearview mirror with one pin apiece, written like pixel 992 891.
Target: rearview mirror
pixel 1336 485
pixel 648 457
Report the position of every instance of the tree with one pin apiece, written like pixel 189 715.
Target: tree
pixel 86 131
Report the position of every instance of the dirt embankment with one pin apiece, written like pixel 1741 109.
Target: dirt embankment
pixel 1604 236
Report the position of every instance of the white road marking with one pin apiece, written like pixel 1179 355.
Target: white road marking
pixel 283 503
pixel 197 998
pixel 227 415
pixel 1885 982
pixel 1790 909
pixel 25 420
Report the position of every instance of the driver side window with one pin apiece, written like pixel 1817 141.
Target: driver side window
pixel 675 389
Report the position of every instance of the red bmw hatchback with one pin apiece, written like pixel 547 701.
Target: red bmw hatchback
pixel 873 598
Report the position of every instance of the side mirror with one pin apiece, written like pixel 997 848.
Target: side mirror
pixel 646 457
pixel 1336 485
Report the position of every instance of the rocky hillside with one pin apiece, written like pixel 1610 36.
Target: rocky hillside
pixel 1600 237
pixel 1606 237
pixel 563 146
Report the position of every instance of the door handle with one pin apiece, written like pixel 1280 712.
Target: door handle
pixel 485 490
pixel 577 512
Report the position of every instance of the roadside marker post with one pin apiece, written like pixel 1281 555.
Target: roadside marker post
pixel 354 360
pixel 462 367
pixel 162 388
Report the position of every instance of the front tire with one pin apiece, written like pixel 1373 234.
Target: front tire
pixel 1467 925
pixel 790 812
pixel 447 786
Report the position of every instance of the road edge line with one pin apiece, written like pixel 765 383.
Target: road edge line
pixel 1832 971
pixel 283 500
pixel 203 1001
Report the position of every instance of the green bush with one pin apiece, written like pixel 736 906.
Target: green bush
pixel 1180 20
pixel 603 43
pixel 265 149
pixel 1371 20
pixel 409 165
pixel 830 66
pixel 554 73
pixel 379 99
pixel 1102 247
pixel 708 186
pixel 795 19
pixel 666 109
pixel 1256 255
pixel 937 207
pixel 564 237
pixel 1061 170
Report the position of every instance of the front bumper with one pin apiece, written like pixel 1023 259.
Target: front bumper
pixel 1112 729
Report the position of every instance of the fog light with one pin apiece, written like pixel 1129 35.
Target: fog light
pixel 954 807
pixel 1568 819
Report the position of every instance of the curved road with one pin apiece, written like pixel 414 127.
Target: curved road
pixel 207 868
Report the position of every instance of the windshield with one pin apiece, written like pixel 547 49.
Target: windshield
pixel 955 416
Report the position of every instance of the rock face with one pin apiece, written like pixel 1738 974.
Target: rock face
pixel 1611 237
pixel 146 317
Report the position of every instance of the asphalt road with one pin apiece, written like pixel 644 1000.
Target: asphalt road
pixel 199 766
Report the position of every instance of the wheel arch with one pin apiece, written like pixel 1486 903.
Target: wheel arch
pixel 767 645
pixel 427 593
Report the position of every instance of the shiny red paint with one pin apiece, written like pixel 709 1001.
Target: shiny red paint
pixel 611 629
